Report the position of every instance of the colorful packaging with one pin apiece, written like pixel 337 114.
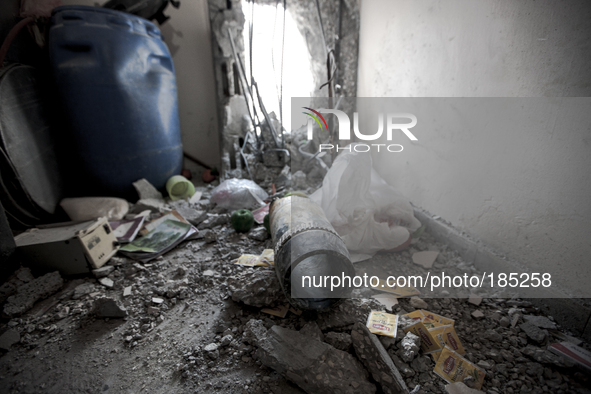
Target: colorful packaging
pixel 381 323
pixel 430 323
pixel 428 343
pixel 446 335
pixel 438 318
pixel 266 259
pixel 454 368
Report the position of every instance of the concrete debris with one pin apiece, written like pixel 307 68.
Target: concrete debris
pixel 314 366
pixel 311 329
pixel 29 293
pixel 212 351
pixel 254 332
pixel 539 321
pixel 339 340
pixel 8 339
pixel 477 314
pixel 347 313
pixel 534 333
pixel 256 287
pixel 211 308
pixel 106 282
pixel 108 308
pixel 410 346
pixel 146 190
pixel 82 290
pixel 103 271
pixel 375 358
pixel 460 388
pixel 258 234
pixel 418 303
pixel 213 220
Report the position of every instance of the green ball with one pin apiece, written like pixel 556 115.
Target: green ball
pixel 242 220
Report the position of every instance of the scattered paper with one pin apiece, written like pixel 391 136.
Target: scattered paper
pixel 572 352
pixel 163 238
pixel 126 230
pixel 398 291
pixel 425 259
pixel 196 197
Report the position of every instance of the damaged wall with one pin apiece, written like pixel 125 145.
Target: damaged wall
pixel 187 35
pixel 522 190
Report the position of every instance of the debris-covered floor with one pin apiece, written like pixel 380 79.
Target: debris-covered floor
pixel 192 321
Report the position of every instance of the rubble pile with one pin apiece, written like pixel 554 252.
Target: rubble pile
pixel 209 324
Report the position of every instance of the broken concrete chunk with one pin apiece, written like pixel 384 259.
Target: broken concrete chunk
pixel 314 366
pixel 258 234
pixel 347 313
pixel 477 314
pixel 31 292
pixel 146 190
pixel 108 283
pixel 339 340
pixel 212 351
pixel 213 220
pixel 254 332
pixel 24 274
pixel 226 340
pixel 539 321
pixel 103 271
pixel 82 290
pixel 127 291
pixel 460 388
pixel 157 300
pixel 425 259
pixel 375 358
pixel 474 300
pixel 108 308
pixel 534 333
pixel 418 303
pixel 311 329
pixel 259 288
pixel 8 339
pixel 410 346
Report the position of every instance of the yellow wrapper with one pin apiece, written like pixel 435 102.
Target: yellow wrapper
pixel 396 290
pixel 428 343
pixel 266 259
pixel 430 323
pixel 381 323
pixel 454 368
pixel 435 355
pixel 438 318
pixel 446 335
pixel 416 315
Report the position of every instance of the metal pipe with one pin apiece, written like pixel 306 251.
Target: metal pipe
pixel 308 249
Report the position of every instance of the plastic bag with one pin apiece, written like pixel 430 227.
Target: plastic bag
pixel 235 194
pixel 369 214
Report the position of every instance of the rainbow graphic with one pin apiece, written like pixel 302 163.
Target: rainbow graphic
pixel 315 118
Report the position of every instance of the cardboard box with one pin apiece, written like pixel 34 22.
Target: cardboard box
pixel 70 248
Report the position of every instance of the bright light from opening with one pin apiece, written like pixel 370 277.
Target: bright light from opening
pixel 267 37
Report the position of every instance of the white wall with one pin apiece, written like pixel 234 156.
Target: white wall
pixel 187 35
pixel 523 190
